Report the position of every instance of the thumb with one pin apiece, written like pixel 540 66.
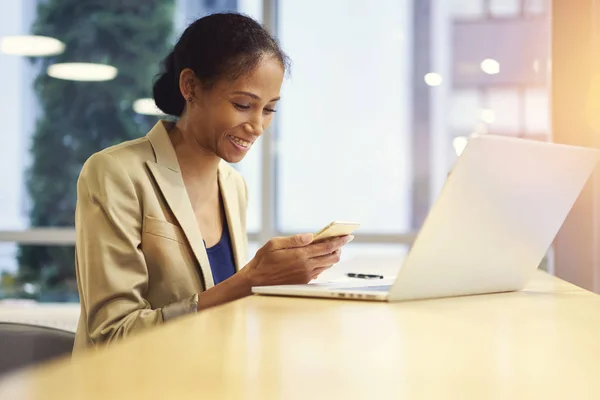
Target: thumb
pixel 291 241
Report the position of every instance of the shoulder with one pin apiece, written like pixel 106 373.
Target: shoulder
pixel 116 163
pixel 128 154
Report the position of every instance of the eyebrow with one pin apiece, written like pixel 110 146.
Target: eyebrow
pixel 255 97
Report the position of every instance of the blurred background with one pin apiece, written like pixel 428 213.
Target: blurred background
pixel 382 97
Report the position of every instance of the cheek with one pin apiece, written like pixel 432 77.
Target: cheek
pixel 230 120
pixel 215 126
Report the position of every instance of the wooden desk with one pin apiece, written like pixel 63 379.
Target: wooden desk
pixel 543 342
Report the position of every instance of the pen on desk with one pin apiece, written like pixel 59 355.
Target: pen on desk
pixel 364 276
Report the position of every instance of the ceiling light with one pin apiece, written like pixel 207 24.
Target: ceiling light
pixel 433 79
pixel 459 143
pixel 146 106
pixel 490 66
pixel 32 46
pixel 82 72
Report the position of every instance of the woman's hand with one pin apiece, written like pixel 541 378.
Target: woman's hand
pixel 293 260
pixel 282 261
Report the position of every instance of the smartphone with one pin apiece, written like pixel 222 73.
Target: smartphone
pixel 335 229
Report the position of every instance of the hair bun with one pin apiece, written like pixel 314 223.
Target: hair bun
pixel 166 92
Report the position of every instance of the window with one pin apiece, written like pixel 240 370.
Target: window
pixel 344 141
pixel 504 107
pixel 360 133
pixel 537 116
pixel 57 284
pixel 465 8
pixel 465 109
pixel 250 169
pixel 40 162
pixel 536 7
pixel 505 8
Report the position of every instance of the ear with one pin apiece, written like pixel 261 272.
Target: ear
pixel 188 84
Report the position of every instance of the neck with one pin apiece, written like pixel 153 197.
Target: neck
pixel 199 166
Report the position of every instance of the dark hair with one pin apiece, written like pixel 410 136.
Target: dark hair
pixel 217 46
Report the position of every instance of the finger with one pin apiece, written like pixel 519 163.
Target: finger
pixel 290 242
pixel 327 260
pixel 328 247
pixel 328 239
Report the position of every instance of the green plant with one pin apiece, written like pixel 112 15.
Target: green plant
pixel 80 118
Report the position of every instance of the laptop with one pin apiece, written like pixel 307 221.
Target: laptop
pixel 491 226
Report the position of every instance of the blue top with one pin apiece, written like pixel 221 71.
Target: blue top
pixel 220 257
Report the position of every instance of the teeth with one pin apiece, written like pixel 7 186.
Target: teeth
pixel 239 141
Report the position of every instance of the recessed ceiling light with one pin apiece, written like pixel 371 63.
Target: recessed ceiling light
pixel 490 66
pixel 433 79
pixel 146 106
pixel 31 46
pixel 82 72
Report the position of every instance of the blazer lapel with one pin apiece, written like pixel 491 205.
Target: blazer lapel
pixel 231 204
pixel 168 177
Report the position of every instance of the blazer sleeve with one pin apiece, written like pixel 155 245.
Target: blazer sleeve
pixel 111 268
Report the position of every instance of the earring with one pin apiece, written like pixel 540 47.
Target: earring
pixel 190 99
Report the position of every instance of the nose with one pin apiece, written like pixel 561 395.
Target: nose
pixel 254 127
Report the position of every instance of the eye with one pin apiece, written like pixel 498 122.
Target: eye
pixel 270 110
pixel 241 107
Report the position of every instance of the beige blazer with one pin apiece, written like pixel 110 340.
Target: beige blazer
pixel 140 257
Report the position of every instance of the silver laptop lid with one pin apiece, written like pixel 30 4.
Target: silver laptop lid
pixel 495 219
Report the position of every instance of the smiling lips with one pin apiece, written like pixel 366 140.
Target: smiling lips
pixel 240 142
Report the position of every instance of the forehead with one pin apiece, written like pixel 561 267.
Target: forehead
pixel 264 81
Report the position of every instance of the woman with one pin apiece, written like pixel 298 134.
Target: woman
pixel 161 220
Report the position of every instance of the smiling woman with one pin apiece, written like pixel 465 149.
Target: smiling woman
pixel 242 109
pixel 161 220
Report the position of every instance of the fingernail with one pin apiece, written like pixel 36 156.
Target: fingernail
pixel 350 238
